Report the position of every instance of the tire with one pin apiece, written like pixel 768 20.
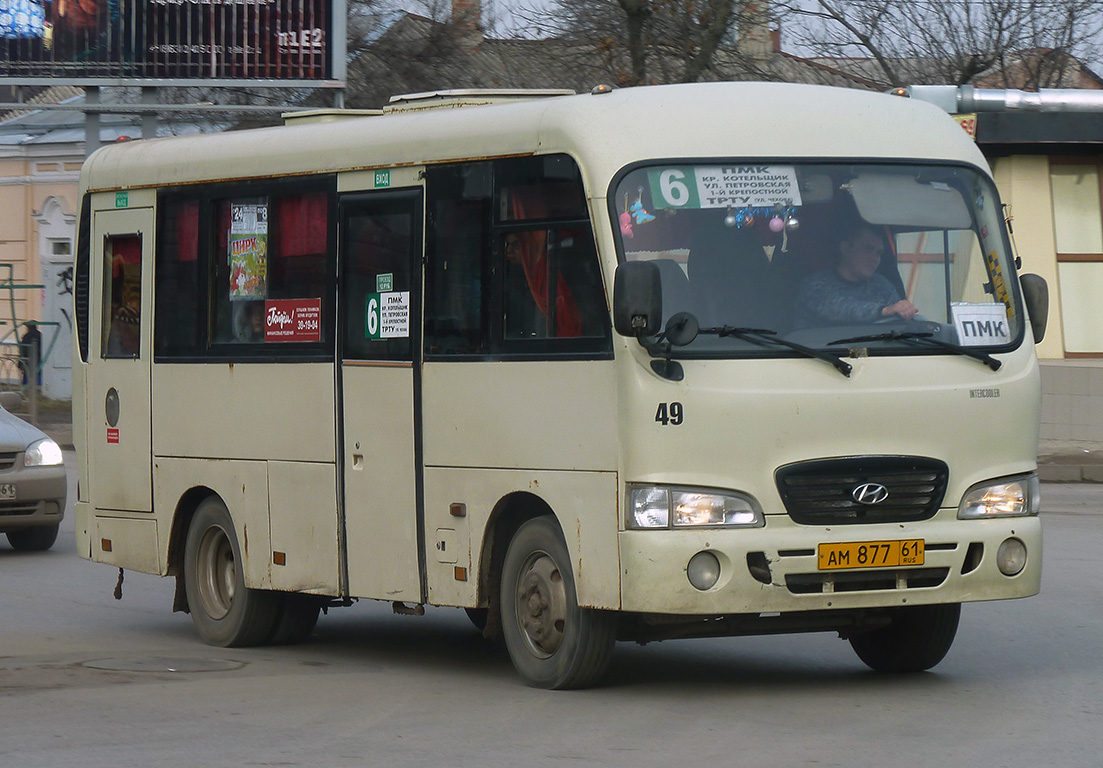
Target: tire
pixel 225 612
pixel 37 539
pixel 296 618
pixel 917 639
pixel 552 642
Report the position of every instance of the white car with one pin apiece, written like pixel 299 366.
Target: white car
pixel 32 482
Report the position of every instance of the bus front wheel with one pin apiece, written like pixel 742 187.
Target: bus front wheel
pixel 224 610
pixel 916 639
pixel 552 642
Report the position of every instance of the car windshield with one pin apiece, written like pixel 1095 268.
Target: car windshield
pixel 825 255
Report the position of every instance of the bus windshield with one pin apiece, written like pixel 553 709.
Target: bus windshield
pixel 875 255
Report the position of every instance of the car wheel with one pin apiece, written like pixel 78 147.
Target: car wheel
pixel 35 539
pixel 224 610
pixel 552 642
pixel 916 639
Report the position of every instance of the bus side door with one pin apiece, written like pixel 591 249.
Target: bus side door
pixel 121 342
pixel 380 332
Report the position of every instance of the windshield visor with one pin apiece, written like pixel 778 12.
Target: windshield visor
pixel 821 255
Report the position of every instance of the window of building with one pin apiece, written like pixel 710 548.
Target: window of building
pixel 1078 231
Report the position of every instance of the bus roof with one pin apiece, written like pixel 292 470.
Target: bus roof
pixel 604 131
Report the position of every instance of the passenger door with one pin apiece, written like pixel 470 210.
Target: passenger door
pixel 118 390
pixel 380 290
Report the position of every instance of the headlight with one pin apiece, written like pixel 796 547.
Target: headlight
pixel 44 453
pixel 1010 497
pixel 659 507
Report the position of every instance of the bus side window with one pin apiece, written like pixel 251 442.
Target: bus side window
pixel 552 284
pixel 511 260
pixel 122 295
pixel 455 293
pixel 377 259
pixel 268 249
pixel 551 267
pixel 176 326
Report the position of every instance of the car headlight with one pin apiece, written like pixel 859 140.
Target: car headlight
pixel 44 453
pixel 663 507
pixel 1009 497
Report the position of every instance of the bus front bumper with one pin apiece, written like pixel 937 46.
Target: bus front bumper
pixel 778 568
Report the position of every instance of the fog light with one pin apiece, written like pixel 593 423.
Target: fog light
pixel 703 570
pixel 1011 557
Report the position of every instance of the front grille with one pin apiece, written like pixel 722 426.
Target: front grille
pixel 824 492
pixel 14 508
pixel 7 460
pixel 865 581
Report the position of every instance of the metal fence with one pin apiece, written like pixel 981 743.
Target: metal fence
pixel 166 39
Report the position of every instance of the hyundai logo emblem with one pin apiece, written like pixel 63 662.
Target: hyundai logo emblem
pixel 870 493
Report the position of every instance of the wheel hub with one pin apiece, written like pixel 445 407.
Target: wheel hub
pixel 217 575
pixel 541 605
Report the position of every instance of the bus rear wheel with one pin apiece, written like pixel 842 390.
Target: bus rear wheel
pixel 296 618
pixel 225 612
pixel 916 639
pixel 552 642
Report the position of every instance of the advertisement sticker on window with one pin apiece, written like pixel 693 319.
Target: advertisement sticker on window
pixel 293 320
pixel 248 250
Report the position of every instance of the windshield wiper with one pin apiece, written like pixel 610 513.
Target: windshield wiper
pixel 925 339
pixel 771 337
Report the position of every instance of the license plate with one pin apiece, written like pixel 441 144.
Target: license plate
pixel 871 554
pixel 7 491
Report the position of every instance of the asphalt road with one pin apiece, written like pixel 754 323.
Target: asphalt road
pixel 86 680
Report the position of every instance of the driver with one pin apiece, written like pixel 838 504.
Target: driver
pixel 853 292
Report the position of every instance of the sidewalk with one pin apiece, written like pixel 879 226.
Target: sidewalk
pixel 1070 462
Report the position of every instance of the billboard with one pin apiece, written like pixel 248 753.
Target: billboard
pixel 167 39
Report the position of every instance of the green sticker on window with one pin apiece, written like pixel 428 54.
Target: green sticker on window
pixel 122 199
pixel 384 282
pixel 382 179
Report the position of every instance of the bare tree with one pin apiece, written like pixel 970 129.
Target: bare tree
pixel 1000 43
pixel 645 41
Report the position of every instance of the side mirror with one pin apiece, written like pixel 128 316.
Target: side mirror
pixel 637 299
pixel 1036 296
pixel 11 401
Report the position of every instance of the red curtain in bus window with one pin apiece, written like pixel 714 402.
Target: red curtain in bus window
pixel 303 225
pixel 125 251
pixel 534 259
pixel 187 229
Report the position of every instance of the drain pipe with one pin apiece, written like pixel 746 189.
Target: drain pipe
pixel 965 99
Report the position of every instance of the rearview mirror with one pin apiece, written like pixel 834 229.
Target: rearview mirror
pixel 637 299
pixel 1036 297
pixel 681 329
